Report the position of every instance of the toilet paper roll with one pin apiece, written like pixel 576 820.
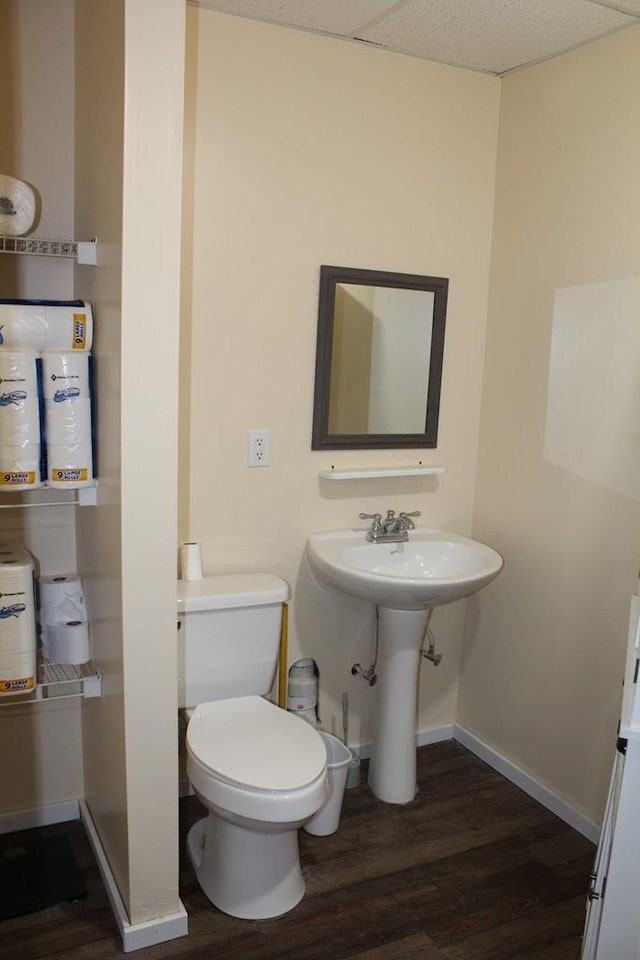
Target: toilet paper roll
pixel 21 467
pixel 191 561
pixel 22 326
pixel 19 398
pixel 61 599
pixel 17 206
pixel 66 642
pixel 18 673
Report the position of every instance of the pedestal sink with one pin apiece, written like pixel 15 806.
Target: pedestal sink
pixel 405 580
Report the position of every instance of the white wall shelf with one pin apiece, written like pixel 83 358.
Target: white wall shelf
pixel 49 497
pixel 368 473
pixel 84 252
pixel 60 681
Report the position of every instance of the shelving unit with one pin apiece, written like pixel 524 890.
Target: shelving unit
pixel 60 681
pixel 55 681
pixel 368 473
pixel 52 676
pixel 85 252
pixel 49 497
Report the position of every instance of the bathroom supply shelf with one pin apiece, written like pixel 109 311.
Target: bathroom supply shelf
pixel 84 251
pixel 368 473
pixel 84 497
pixel 60 681
pixel 62 674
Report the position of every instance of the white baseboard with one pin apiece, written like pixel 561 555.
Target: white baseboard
pixel 435 735
pixel 39 816
pixel 135 936
pixel 572 816
pixel 423 737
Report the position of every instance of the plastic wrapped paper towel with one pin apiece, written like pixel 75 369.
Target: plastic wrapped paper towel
pixel 17 206
pixel 20 421
pixel 46 325
pixel 17 621
pixel 66 387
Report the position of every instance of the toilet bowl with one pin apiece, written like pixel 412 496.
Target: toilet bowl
pixel 261 773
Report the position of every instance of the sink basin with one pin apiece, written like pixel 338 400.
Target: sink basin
pixel 433 567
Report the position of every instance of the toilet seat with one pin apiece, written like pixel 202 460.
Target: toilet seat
pixel 251 758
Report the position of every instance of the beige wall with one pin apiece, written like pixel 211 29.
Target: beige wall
pixel 129 89
pixel 557 486
pixel 305 150
pixel 99 32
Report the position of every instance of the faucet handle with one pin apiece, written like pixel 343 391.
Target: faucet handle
pixel 376 526
pixel 407 521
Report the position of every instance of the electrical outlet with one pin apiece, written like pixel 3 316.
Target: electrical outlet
pixel 258 448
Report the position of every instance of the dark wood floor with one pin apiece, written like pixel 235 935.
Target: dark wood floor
pixel 473 869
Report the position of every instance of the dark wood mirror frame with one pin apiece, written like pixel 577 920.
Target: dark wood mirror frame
pixel 330 277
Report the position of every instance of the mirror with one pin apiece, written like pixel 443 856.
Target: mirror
pixel 379 359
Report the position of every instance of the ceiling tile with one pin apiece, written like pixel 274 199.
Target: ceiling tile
pixel 342 17
pixel 628 6
pixel 493 35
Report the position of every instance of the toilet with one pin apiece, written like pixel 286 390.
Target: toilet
pixel 259 771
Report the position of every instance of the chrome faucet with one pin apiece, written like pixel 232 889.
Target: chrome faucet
pixel 393 529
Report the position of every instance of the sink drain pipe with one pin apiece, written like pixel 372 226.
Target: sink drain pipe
pixel 430 653
pixel 369 673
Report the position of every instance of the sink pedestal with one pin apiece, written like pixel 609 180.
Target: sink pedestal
pixel 392 768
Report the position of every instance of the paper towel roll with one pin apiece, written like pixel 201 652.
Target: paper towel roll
pixel 67 405
pixel 19 398
pixel 191 561
pixel 17 206
pixel 66 642
pixel 17 620
pixel 61 599
pixel 46 325
pixel 70 465
pixel 68 423
pixel 23 326
pixel 69 328
pixel 21 467
pixel 65 378
pixel 18 673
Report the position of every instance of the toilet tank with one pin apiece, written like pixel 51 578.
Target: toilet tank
pixel 228 636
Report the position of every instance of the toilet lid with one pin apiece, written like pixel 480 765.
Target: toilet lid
pixel 249 741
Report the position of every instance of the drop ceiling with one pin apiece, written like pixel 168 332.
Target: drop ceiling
pixel 491 36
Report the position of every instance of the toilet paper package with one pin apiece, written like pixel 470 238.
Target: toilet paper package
pixel 22 326
pixel 69 327
pixel 66 642
pixel 21 467
pixel 46 325
pixel 21 451
pixel 17 620
pixel 61 599
pixel 66 379
pixel 18 673
pixel 20 400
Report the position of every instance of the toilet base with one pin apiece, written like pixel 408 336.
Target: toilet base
pixel 252 873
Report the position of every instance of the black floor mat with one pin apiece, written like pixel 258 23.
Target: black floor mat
pixel 36 873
